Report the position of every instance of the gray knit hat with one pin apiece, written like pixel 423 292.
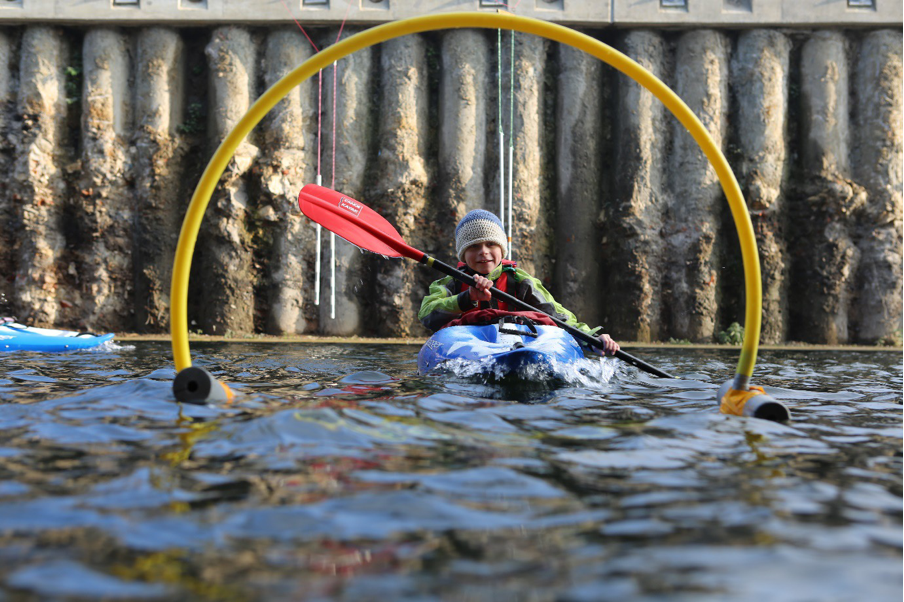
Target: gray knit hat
pixel 478 226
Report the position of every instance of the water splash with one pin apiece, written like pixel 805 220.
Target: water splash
pixel 589 372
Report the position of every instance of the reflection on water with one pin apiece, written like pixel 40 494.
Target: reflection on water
pixel 341 474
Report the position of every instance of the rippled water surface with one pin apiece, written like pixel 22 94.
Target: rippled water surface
pixel 340 474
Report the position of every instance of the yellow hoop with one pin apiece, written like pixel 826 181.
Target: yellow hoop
pixel 557 33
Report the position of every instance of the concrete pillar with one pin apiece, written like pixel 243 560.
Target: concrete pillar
pixel 463 133
pixel 7 152
pixel 7 75
pixel 44 272
pixel 877 166
pixel 634 218
pixel 160 192
pixel 227 265
pixel 399 191
pixel 827 256
pixel 289 163
pixel 533 228
pixel 353 139
pixel 104 200
pixel 696 201
pixel 760 87
pixel 579 173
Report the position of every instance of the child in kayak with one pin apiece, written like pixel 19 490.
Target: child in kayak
pixel 480 244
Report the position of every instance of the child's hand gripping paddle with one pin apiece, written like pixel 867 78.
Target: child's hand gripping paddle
pixel 365 228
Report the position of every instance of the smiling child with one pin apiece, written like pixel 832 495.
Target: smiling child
pixel 480 243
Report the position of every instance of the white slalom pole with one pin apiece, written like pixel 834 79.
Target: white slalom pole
pixel 317 261
pixel 511 230
pixel 502 178
pixel 332 276
pixel 333 186
pixel 511 251
pixel 499 127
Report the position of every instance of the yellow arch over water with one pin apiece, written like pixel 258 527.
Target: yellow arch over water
pixel 557 33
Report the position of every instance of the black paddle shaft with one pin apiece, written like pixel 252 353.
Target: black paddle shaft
pixel 580 334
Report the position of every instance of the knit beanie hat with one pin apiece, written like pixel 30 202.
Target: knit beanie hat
pixel 478 226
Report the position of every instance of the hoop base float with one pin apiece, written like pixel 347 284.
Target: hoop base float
pixel 753 403
pixel 197 385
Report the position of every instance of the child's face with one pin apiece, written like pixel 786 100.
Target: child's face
pixel 483 257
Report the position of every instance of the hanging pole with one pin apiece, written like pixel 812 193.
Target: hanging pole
pixel 319 179
pixel 511 248
pixel 319 182
pixel 499 127
pixel 501 181
pixel 511 229
pixel 332 276
pixel 333 167
pixel 319 145
pixel 333 186
pixel 317 260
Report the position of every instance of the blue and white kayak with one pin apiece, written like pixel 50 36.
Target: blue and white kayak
pixel 499 350
pixel 17 337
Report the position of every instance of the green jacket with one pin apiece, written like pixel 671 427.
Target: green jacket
pixel 445 303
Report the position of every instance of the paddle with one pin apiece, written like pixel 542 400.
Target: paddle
pixel 365 228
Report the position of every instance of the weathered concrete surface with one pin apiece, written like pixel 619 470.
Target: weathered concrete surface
pixel 287 164
pixel 463 134
pixel 579 156
pixel 399 189
pixel 105 215
pixel 633 219
pixel 533 229
pixel 159 167
pixel 424 165
pixel 760 88
pixel 352 141
pixel 826 256
pixel 584 13
pixel 7 151
pixel 877 307
pixel 44 273
pixel 695 206
pixel 227 264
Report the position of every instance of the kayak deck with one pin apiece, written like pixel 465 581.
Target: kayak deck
pixel 18 337
pixel 489 350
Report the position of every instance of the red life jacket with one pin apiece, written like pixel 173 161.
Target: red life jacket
pixel 476 316
pixel 501 283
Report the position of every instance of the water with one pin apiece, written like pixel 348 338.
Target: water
pixel 340 474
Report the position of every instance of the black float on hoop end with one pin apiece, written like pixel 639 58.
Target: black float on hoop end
pixel 197 385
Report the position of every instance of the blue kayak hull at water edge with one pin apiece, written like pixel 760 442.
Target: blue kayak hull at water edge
pixel 486 350
pixel 16 337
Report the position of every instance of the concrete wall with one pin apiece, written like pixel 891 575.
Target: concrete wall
pixel 7 150
pixel 105 132
pixel 710 13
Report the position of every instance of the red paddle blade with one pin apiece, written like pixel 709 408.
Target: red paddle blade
pixel 353 220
